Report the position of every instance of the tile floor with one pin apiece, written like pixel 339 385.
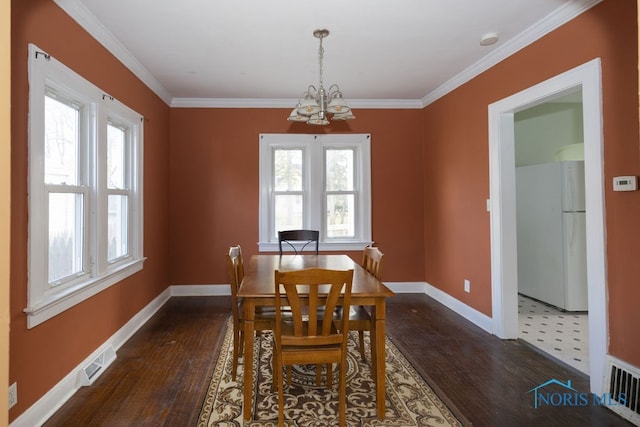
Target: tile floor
pixel 564 335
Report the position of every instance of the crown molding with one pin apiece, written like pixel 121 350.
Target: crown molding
pixel 541 28
pixel 87 20
pixel 363 104
pixel 399 104
pixel 232 103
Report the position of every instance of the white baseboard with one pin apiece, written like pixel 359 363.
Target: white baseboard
pixel 407 287
pixel 199 290
pixel 471 314
pixel 48 404
pixel 44 408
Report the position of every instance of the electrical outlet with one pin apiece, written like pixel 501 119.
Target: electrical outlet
pixel 467 285
pixel 13 395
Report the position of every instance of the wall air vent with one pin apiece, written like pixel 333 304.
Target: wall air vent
pixel 88 374
pixel 622 382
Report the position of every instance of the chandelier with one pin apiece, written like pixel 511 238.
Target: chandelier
pixel 315 105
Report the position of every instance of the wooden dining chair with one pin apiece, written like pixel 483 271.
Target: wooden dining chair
pixel 264 317
pixel 372 261
pixel 359 317
pixel 306 236
pixel 309 337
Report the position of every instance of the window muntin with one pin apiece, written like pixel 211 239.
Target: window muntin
pixel 320 182
pixel 85 189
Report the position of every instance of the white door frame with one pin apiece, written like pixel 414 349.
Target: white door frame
pixel 504 270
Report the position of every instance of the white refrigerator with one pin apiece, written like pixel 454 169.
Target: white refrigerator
pixel 551 236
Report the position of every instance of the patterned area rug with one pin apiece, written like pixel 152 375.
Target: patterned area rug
pixel 410 400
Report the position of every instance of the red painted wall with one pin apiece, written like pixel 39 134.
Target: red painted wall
pixel 42 356
pixel 215 186
pixel 457 167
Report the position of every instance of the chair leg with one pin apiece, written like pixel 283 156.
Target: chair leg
pixel 240 342
pixel 278 382
pixel 280 396
pixel 318 375
pixel 342 392
pixel 372 342
pixel 361 341
pixel 237 340
pixel 275 373
pixel 329 369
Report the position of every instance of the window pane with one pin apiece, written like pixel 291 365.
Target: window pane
pixel 288 212
pixel 118 227
pixel 66 225
pixel 116 160
pixel 61 141
pixel 287 170
pixel 339 173
pixel 341 215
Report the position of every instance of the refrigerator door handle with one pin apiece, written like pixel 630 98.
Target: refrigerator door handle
pixel 570 186
pixel 572 232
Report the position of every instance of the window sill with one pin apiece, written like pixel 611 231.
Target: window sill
pixel 336 246
pixel 55 304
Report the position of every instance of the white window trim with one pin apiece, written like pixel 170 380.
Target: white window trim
pixel 43 302
pixel 313 146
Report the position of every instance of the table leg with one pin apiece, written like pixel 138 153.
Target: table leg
pixel 379 365
pixel 374 348
pixel 249 316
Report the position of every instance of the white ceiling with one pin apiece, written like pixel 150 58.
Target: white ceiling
pixel 382 53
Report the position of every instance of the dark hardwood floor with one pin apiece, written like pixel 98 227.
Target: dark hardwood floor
pixel 160 375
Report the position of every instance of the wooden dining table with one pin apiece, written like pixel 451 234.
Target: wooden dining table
pixel 258 289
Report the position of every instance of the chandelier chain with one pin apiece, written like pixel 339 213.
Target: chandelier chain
pixel 320 58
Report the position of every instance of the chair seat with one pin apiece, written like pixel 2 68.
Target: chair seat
pixel 263 313
pixel 357 315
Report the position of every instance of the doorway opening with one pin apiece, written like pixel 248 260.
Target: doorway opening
pixel 504 260
pixel 551 231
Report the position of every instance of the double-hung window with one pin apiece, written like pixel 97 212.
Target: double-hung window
pixel 320 182
pixel 85 189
